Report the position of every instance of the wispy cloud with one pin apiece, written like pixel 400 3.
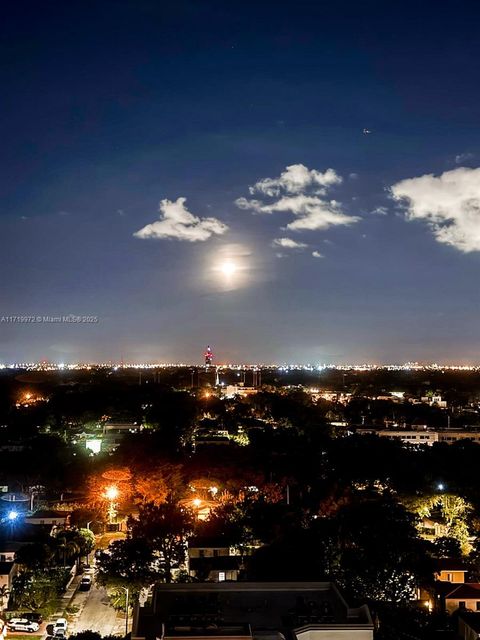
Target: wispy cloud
pixel 302 192
pixel 448 203
pixel 379 211
pixel 463 157
pixel 317 254
pixel 176 222
pixel 288 243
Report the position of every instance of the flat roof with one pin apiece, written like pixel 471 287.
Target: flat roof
pixel 289 608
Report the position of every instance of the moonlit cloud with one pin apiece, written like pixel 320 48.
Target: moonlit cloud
pixel 288 243
pixel 296 179
pixel 176 222
pixel 449 204
pixel 317 254
pixel 301 192
pixel 379 211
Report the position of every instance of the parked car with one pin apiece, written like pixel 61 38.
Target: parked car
pixel 60 626
pixel 85 583
pixel 31 616
pixel 22 624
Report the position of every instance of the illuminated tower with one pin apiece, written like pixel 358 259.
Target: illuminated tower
pixel 208 357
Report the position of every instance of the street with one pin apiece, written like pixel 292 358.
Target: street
pixel 96 614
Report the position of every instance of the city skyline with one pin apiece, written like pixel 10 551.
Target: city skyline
pixel 288 184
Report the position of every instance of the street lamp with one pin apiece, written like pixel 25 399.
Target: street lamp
pixel 127 594
pixel 112 493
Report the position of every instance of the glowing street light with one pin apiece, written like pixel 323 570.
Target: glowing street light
pixel 12 515
pixel 111 493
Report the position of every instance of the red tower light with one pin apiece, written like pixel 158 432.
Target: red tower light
pixel 208 357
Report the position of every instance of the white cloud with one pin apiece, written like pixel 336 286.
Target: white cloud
pixel 295 179
pixel 288 243
pixel 317 254
pixel 178 223
pixel 300 191
pixel 449 203
pixel 380 211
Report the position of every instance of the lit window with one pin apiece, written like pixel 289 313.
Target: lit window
pixel 221 576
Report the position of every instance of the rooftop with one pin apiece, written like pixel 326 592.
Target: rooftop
pixel 467 591
pixel 228 608
pixel 48 513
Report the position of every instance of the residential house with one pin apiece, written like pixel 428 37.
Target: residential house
pixel 214 559
pixel 464 597
pixel 8 571
pixel 49 517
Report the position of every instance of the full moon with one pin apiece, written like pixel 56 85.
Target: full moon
pixel 228 269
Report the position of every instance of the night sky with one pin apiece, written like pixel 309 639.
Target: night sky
pixel 286 181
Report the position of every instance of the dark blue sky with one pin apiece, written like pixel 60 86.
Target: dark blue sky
pixel 109 108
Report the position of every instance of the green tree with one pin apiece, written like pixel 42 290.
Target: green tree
pixel 381 555
pixel 166 527
pixel 84 540
pixel 34 590
pixel 36 555
pixel 127 563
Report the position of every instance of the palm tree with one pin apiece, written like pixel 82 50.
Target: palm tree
pixel 68 549
pixel 4 593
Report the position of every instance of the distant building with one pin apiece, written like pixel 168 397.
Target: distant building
pixel 215 559
pixel 434 401
pixel 430 530
pixel 423 435
pixel 114 433
pixel 49 517
pixel 247 610
pixel 8 550
pixel 8 570
pixel 232 390
pixel 450 570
